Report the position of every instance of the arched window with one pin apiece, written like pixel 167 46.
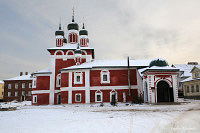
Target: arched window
pixel 105 76
pixel 98 96
pixel 58 80
pixel 192 88
pixel 73 38
pixel 197 88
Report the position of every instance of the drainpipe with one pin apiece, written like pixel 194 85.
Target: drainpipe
pixel 129 81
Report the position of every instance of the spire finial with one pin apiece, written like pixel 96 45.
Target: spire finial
pixel 83 24
pixel 60 24
pixel 73 15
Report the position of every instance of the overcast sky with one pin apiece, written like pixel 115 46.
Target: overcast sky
pixel 141 29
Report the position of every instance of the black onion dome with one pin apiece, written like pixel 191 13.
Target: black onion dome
pixel 59 32
pixel 83 32
pixel 73 26
pixel 158 62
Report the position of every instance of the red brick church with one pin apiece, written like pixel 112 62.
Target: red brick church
pixel 76 77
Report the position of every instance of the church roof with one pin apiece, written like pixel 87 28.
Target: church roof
pixel 23 77
pixel 157 68
pixel 109 64
pixel 43 71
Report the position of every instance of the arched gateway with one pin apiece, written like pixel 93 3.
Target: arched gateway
pixel 164 92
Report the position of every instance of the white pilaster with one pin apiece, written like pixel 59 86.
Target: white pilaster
pixel 87 85
pixel 52 81
pixel 70 96
pixel 70 88
pixel 175 87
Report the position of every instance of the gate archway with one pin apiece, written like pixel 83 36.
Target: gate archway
pixel 164 92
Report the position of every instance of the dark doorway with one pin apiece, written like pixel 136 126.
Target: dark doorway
pixel 58 99
pixel 164 92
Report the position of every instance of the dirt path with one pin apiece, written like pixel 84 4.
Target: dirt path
pixel 186 122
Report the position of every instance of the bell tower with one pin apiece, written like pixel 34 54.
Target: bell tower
pixel 73 31
pixel 59 37
pixel 83 34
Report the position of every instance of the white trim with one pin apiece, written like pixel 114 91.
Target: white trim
pixel 35 99
pixel 59 51
pixel 80 97
pixel 101 95
pixel 69 51
pixel 44 91
pixel 52 81
pixel 99 88
pixel 84 52
pixel 70 79
pixel 87 84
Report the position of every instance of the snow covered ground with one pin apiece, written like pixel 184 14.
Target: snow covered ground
pixel 95 119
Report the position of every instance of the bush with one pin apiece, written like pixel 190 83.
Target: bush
pixel 137 100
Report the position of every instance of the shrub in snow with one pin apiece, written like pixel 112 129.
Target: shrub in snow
pixel 101 105
pixel 137 100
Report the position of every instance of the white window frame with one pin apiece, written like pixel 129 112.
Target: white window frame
pixel 34 83
pixel 9 86
pixel 105 72
pixel 35 99
pixel 111 93
pixel 76 95
pixel 16 85
pixel 58 80
pixel 23 93
pixel 9 94
pixel 30 85
pixel 29 93
pixel 98 93
pixel 76 74
pixel 23 85
pixel 16 93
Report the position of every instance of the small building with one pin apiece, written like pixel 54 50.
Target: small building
pixel 191 85
pixel 160 82
pixel 1 90
pixel 18 88
pixel 184 73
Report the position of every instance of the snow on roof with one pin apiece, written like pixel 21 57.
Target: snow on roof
pixel 23 77
pixel 167 68
pixel 46 70
pixel 190 79
pixel 1 82
pixel 69 46
pixel 186 69
pixel 109 63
